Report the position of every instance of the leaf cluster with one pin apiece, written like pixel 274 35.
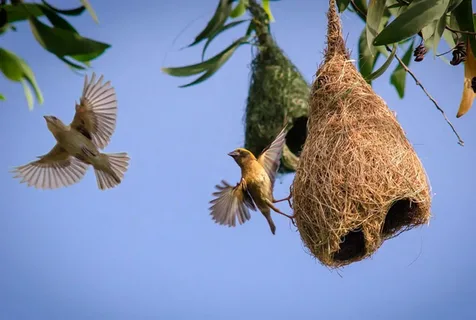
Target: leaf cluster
pixel 416 26
pixel 226 10
pixel 58 37
pixel 404 23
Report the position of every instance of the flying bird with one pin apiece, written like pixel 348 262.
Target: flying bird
pixel 77 145
pixel 255 189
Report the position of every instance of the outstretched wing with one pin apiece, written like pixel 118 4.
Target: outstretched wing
pixel 96 112
pixel 271 156
pixel 231 203
pixel 53 170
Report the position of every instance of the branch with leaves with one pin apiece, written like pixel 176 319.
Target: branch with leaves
pixel 416 26
pixel 217 25
pixel 60 39
pixel 428 19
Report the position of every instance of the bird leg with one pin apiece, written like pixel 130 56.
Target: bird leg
pixel 288 199
pixel 280 212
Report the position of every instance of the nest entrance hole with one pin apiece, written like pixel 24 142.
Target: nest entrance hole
pixel 352 246
pixel 402 213
pixel 296 136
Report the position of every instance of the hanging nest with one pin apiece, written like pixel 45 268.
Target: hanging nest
pixel 277 91
pixel 359 181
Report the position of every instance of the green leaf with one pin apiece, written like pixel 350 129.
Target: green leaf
pixel 384 67
pixel 3 17
pixel 448 36
pixel 64 42
pixel 28 95
pixel 71 64
pixel 11 66
pixel 360 7
pixel 90 9
pixel 398 77
pixel 56 20
pixel 396 7
pixel 453 4
pixel 30 78
pixel 366 60
pixel 418 15
pixel 2 97
pixel 210 66
pixel 433 32
pixel 267 9
pixel 250 29
pixel 23 11
pixel 428 31
pixel 464 17
pixel 342 5
pixel 66 12
pixel 224 28
pixel 84 58
pixel 440 28
pixel 240 9
pixel 16 69
pixel 445 60
pixel 374 16
pixel 383 51
pixel 222 12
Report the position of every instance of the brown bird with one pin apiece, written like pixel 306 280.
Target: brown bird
pixel 255 189
pixel 77 145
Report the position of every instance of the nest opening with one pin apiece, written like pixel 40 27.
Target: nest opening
pixel 402 213
pixel 296 136
pixel 352 246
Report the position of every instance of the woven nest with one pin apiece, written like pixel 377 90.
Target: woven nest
pixel 277 91
pixel 359 181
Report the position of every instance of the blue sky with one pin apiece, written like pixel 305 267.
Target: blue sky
pixel 149 249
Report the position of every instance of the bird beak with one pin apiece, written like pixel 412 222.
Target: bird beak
pixel 233 154
pixel 47 118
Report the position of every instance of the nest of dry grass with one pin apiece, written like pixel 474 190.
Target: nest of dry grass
pixel 359 180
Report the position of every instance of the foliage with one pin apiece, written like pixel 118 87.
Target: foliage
pixel 60 39
pixel 416 26
pixel 225 10
pixel 407 22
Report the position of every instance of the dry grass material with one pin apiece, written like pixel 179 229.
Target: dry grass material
pixel 359 180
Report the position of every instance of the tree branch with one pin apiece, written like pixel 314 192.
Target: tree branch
pixel 418 83
pixel 460 31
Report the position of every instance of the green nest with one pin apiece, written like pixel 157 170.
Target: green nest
pixel 277 91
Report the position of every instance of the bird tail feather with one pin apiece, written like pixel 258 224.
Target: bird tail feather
pixel 270 222
pixel 111 174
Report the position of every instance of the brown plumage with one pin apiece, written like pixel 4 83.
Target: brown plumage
pixel 255 189
pixel 77 145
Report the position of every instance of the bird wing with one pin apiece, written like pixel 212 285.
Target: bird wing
pixel 53 170
pixel 96 112
pixel 231 203
pixel 271 155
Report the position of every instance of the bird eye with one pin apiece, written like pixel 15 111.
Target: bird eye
pixel 54 118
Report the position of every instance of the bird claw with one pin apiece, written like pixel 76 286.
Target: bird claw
pixel 292 218
pixel 288 199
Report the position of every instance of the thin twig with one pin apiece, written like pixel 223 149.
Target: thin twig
pixel 418 83
pixel 442 54
pixel 460 31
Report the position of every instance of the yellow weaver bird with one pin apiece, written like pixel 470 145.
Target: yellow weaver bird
pixel 77 145
pixel 255 189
